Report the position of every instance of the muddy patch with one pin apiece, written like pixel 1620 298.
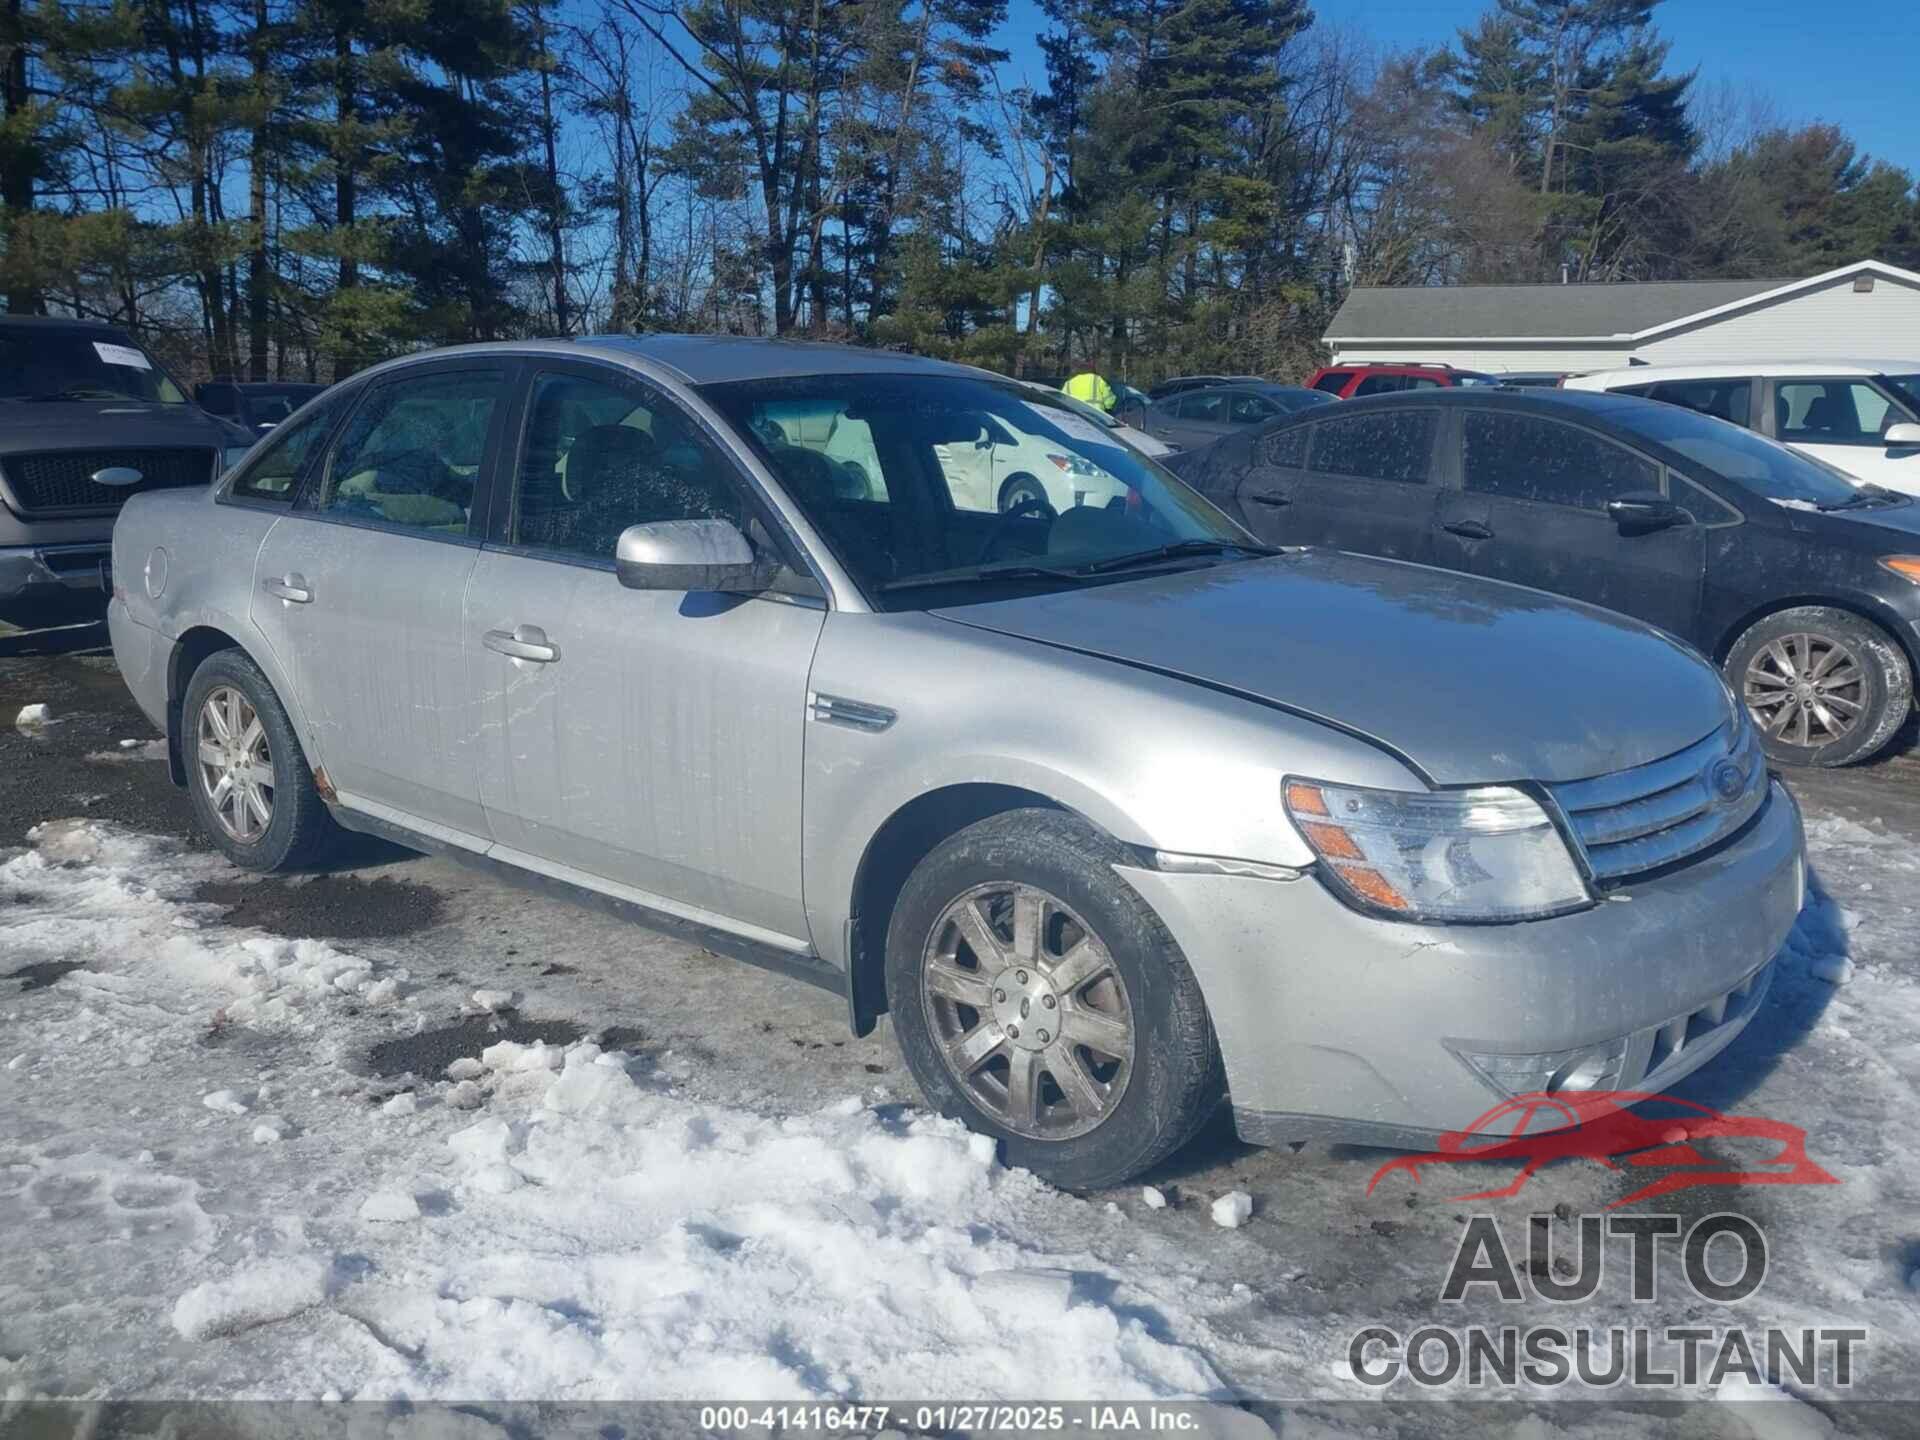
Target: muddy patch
pixel 429 1053
pixel 40 976
pixel 327 907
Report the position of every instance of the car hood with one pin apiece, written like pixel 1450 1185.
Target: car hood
pixel 99 424
pixel 1470 681
pixel 1898 520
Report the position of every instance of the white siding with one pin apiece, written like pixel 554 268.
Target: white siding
pixel 1831 322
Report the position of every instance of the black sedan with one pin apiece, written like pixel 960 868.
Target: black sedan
pixel 1803 587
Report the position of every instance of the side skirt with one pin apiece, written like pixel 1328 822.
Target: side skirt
pixel 797 965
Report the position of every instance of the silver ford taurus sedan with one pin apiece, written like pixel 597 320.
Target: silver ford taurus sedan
pixel 1116 812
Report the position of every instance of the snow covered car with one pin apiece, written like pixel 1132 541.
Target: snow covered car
pixel 1114 810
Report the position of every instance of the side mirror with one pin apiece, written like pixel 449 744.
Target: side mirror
pixel 1902 436
pixel 1642 511
pixel 689 555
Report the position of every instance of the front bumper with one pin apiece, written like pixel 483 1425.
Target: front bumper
pixel 1337 1025
pixel 43 583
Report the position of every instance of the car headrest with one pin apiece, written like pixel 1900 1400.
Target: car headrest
pixel 603 456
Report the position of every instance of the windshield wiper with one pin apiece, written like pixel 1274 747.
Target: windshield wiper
pixel 1173 552
pixel 78 393
pixel 1016 571
pixel 1869 495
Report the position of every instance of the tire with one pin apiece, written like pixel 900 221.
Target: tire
pixel 297 831
pixel 1021 487
pixel 1773 664
pixel 1140 1109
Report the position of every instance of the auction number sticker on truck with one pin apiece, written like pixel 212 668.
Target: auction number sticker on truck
pixel 122 355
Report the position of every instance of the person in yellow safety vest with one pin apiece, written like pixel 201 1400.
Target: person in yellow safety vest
pixel 1091 388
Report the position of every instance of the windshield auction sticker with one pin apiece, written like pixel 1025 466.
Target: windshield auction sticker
pixel 121 355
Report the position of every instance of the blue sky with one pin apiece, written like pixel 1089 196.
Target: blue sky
pixel 1855 62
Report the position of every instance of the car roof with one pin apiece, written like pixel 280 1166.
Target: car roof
pixel 710 359
pixel 61 322
pixel 1593 406
pixel 1743 369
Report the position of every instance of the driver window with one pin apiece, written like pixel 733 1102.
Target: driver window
pixel 600 455
pixel 411 454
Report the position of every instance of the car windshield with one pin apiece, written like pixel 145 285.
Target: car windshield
pixel 73 365
pixel 1752 461
pixel 1907 387
pixel 935 489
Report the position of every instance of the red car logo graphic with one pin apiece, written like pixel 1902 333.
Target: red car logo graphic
pixel 1538 1128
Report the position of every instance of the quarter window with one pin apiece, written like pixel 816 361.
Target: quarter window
pixel 599 456
pixel 1397 445
pixel 1723 399
pixel 275 472
pixel 1522 458
pixel 411 453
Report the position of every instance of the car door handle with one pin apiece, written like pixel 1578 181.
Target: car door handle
pixel 1271 497
pixel 523 642
pixel 1468 529
pixel 291 588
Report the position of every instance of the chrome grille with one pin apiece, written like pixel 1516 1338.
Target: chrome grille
pixel 1634 821
pixel 61 481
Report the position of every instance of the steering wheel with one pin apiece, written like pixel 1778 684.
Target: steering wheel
pixel 1038 503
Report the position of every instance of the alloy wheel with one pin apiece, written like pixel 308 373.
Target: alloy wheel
pixel 1807 690
pixel 1028 1011
pixel 233 763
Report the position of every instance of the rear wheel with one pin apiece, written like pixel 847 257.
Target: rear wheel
pixel 248 781
pixel 1038 999
pixel 1824 686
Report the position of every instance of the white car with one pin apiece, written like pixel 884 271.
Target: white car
pixel 1149 445
pixel 1861 417
pixel 1006 468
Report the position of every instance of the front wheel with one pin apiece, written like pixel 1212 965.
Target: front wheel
pixel 1038 999
pixel 1022 491
pixel 1824 686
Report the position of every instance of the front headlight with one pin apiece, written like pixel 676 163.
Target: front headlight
pixel 232 456
pixel 1485 854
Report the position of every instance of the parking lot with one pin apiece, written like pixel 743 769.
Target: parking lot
pixel 224 1150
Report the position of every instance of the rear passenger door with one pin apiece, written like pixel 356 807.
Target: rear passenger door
pixel 360 591
pixel 1353 482
pixel 1532 509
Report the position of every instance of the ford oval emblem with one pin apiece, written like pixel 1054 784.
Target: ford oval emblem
pixel 117 475
pixel 1727 779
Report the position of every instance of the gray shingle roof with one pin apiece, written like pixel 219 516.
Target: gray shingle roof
pixel 1466 312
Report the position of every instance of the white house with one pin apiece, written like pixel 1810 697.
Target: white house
pixel 1867 308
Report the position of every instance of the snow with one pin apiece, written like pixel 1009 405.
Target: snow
pixel 251 1296
pixel 1233 1209
pixel 1834 969
pixel 131 750
pixel 33 717
pixel 578 1221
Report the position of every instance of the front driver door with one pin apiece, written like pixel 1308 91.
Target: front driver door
pixel 646 743
pixel 1532 510
pixel 360 591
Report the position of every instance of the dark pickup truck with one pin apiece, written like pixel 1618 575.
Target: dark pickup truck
pixel 87 418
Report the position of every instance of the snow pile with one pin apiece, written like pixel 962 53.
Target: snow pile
pixel 253 1295
pixel 131 750
pixel 602 1236
pixel 33 717
pixel 101 892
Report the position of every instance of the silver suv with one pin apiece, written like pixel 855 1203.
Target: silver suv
pixel 1115 811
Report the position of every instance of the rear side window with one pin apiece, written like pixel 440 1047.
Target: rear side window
pixel 1524 458
pixel 410 455
pixel 1722 399
pixel 1286 448
pixel 1334 381
pixel 1250 410
pixel 1382 385
pixel 1395 446
pixel 275 472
